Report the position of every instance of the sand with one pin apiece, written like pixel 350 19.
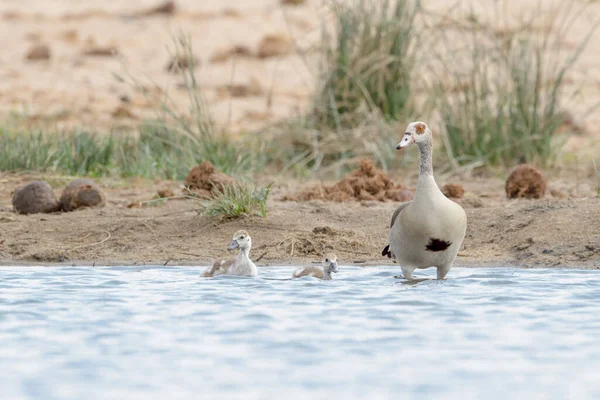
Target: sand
pixel 89 42
pixel 549 232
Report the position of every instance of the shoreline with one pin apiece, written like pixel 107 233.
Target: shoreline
pixel 546 233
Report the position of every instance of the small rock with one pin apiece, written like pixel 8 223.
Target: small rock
pixel 81 193
pixel 273 46
pixel 453 190
pixel 35 197
pixel 38 52
pixel 525 181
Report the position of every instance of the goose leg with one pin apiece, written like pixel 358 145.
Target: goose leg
pixel 442 272
pixel 407 272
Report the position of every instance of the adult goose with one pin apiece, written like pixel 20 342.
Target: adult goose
pixel 429 230
pixel 242 265
pixel 329 265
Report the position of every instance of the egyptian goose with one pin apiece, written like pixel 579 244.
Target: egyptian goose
pixel 429 230
pixel 242 265
pixel 329 265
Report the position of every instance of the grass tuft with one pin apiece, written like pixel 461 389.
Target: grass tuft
pixel 368 63
pixel 191 133
pixel 501 94
pixel 235 201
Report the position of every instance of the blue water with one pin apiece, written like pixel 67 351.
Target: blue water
pixel 164 333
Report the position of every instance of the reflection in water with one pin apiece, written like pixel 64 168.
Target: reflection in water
pixel 163 333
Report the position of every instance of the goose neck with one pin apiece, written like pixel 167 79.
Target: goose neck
pixel 244 252
pixel 426 164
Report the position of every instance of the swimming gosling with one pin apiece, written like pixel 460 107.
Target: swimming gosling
pixel 329 265
pixel 240 266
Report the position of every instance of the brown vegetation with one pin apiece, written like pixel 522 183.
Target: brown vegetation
pixel 365 183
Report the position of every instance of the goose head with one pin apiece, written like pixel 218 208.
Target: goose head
pixel 330 263
pixel 416 132
pixel 241 240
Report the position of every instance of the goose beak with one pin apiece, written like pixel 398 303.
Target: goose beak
pixel 406 140
pixel 233 245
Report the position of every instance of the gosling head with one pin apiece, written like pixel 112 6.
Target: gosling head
pixel 416 132
pixel 330 263
pixel 241 240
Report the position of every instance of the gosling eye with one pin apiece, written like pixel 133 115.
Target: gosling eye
pixel 327 260
pixel 241 237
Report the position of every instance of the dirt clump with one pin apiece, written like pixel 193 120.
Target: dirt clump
pixel 525 181
pixel 81 193
pixel 223 55
pixel 98 51
pixel 252 88
pixel 38 52
pixel 165 193
pixel 122 112
pixel 167 8
pixel 365 183
pixel 180 62
pixel 453 190
pixel 274 45
pixel 471 202
pixel 204 178
pixel 292 2
pixel 35 197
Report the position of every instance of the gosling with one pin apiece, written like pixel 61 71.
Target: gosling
pixel 240 266
pixel 322 272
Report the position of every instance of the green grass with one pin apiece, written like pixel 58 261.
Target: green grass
pixel 82 153
pixel 501 94
pixel 191 133
pixel 167 146
pixel 368 62
pixel 235 201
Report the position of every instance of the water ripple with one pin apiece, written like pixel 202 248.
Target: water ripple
pixel 155 333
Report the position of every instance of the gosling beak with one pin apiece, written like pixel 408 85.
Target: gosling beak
pixel 233 245
pixel 406 140
pixel 333 267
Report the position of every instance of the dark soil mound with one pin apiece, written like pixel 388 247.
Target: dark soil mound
pixel 81 193
pixel 525 181
pixel 203 179
pixel 35 197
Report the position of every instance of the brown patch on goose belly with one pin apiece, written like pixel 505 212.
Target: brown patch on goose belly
pixel 437 245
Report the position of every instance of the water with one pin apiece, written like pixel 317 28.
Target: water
pixel 164 333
